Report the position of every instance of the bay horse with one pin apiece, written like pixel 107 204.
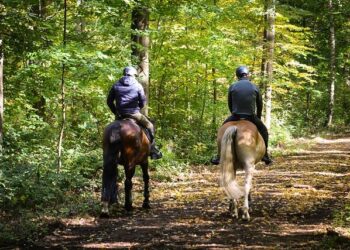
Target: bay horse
pixel 124 143
pixel 241 147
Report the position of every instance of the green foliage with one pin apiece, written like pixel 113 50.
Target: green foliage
pixel 342 217
pixel 196 45
pixel 168 167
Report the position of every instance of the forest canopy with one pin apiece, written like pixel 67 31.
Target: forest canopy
pixel 59 58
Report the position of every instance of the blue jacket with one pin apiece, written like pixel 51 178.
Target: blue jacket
pixel 126 96
pixel 244 98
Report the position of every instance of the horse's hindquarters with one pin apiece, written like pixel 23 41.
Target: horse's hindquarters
pixel 124 143
pixel 240 148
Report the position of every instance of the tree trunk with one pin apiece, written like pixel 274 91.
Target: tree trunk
pixel 270 39
pixel 63 103
pixel 331 87
pixel 347 70
pixel 140 45
pixel 80 22
pixel 1 94
pixel 264 53
pixel 41 9
pixel 308 103
pixel 215 98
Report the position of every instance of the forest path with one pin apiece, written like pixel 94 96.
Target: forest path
pixel 293 205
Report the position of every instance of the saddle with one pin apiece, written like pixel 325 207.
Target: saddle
pixel 237 117
pixel 144 129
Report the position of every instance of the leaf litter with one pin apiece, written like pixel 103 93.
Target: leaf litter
pixel 293 203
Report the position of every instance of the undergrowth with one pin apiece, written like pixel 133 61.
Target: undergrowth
pixel 34 196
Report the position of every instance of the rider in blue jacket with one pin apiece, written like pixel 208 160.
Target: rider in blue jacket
pixel 245 102
pixel 126 99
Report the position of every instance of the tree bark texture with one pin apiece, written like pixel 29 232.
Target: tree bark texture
pixel 270 40
pixel 63 102
pixel 264 54
pixel 41 8
pixel 308 104
pixel 1 95
pixel 331 87
pixel 140 45
pixel 347 70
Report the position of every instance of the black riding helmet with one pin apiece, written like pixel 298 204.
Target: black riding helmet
pixel 242 71
pixel 130 71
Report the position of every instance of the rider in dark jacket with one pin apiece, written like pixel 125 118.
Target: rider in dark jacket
pixel 128 95
pixel 126 98
pixel 245 102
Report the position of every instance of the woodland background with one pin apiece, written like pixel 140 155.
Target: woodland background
pixel 59 59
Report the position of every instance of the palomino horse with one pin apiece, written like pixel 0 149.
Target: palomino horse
pixel 124 143
pixel 241 148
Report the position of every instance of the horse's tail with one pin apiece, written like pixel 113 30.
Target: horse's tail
pixel 228 157
pixel 111 152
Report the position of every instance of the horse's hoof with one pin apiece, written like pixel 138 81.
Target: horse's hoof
pixel 104 215
pixel 230 207
pixel 146 206
pixel 245 214
pixel 246 218
pixel 128 208
pixel 235 215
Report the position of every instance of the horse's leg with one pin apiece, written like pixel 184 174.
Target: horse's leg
pixel 144 167
pixel 234 208
pixel 250 201
pixel 109 180
pixel 249 168
pixel 129 173
pixel 234 202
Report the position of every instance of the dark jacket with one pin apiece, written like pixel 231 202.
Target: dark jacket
pixel 126 96
pixel 244 98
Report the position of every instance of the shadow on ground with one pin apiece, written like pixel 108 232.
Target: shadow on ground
pixel 293 205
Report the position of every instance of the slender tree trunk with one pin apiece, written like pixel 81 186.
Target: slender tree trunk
pixel 308 103
pixel 63 102
pixel 204 96
pixel 215 97
pixel 270 39
pixel 42 7
pixel 347 69
pixel 80 22
pixel 41 11
pixel 140 45
pixel 264 53
pixel 1 95
pixel 331 87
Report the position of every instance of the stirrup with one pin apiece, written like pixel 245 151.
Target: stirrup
pixel 215 160
pixel 155 153
pixel 267 160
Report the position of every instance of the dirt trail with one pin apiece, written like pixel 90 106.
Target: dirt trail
pixel 293 205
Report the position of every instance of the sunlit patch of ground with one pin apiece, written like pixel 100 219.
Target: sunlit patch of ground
pixel 293 203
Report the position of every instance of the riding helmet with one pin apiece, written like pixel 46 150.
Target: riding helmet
pixel 130 71
pixel 242 71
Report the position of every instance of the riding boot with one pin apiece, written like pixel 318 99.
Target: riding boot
pixel 266 159
pixel 265 135
pixel 155 152
pixel 215 160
